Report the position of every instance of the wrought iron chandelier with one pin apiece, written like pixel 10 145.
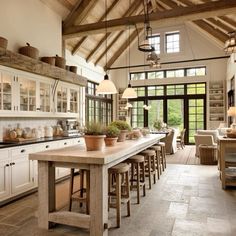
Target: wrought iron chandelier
pixel 230 44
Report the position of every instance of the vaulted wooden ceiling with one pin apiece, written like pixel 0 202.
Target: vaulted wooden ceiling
pixel 84 23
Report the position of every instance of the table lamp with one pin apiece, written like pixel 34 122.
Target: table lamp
pixel 232 112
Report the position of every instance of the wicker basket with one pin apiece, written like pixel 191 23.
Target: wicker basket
pixel 49 60
pixel 60 62
pixel 3 43
pixel 73 69
pixel 67 67
pixel 231 135
pixel 29 51
pixel 208 155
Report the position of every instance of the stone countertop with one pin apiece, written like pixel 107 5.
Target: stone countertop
pixel 79 155
pixel 6 144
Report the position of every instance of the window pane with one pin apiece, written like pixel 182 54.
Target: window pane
pixel 137 76
pixel 172 42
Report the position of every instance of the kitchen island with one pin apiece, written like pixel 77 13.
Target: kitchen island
pixel 98 163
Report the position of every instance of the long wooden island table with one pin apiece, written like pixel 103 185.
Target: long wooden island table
pixel 98 163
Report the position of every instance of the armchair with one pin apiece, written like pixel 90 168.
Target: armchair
pixel 203 140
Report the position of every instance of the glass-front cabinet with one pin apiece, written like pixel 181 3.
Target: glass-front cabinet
pixel 45 97
pixel 26 94
pixel 27 89
pixel 6 90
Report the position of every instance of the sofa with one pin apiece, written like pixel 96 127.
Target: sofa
pixel 170 141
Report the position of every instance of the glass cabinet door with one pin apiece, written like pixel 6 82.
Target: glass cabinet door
pixel 45 97
pixel 74 94
pixel 5 91
pixel 27 94
pixel 62 100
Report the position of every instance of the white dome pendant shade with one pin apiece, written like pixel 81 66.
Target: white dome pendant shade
pixel 106 86
pixel 129 92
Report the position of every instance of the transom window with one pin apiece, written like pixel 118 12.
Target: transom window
pixel 155 42
pixel 173 73
pixel 172 42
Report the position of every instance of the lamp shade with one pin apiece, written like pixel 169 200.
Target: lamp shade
pixel 106 87
pixel 129 92
pixel 145 46
pixel 232 111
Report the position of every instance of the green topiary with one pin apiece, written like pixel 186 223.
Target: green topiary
pixel 112 131
pixel 121 125
pixel 94 128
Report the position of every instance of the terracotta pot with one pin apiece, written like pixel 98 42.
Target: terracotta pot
pixel 110 141
pixel 94 142
pixel 122 136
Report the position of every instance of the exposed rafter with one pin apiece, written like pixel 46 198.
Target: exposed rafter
pixel 129 11
pixel 81 9
pixel 168 17
pixel 77 46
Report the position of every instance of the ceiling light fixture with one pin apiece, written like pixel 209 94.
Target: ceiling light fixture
pixel 146 46
pixel 106 86
pixel 154 60
pixel 230 44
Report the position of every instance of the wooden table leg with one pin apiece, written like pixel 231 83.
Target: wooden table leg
pixel 98 200
pixel 46 192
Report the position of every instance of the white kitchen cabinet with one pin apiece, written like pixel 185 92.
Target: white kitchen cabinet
pixel 22 178
pixel 4 178
pixel 24 94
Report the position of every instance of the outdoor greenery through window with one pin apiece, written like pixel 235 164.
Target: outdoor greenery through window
pixel 172 42
pixel 178 105
pixel 173 73
pixel 98 108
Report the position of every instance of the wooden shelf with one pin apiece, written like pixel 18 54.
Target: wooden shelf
pixel 21 62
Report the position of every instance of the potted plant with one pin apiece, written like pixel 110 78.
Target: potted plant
pixel 124 128
pixel 158 124
pixel 112 133
pixel 94 136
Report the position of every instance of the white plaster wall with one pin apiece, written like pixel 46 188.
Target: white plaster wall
pixel 30 21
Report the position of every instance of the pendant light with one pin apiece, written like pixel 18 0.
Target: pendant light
pixel 146 46
pixel 106 86
pixel 129 91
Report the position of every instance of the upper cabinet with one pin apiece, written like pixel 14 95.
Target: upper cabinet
pixel 25 94
pixel 6 91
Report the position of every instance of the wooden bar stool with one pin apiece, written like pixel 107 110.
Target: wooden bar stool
pixel 163 154
pixel 82 194
pixel 157 149
pixel 120 189
pixel 137 174
pixel 150 156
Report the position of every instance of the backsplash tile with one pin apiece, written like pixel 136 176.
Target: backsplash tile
pixel 5 123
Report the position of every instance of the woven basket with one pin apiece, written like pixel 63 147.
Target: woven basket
pixel 73 69
pixel 29 51
pixel 49 60
pixel 60 62
pixel 3 43
pixel 231 135
pixel 67 67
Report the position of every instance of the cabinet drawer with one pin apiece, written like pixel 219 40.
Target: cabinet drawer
pixel 65 143
pixel 46 146
pixel 4 154
pixel 23 150
pixel 78 141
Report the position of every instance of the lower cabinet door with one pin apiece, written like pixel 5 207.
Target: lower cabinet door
pixel 21 174
pixel 4 179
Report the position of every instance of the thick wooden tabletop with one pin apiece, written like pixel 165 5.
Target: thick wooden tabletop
pixel 79 154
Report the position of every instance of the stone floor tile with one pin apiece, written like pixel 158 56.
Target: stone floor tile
pixel 190 228
pixel 218 226
pixel 177 210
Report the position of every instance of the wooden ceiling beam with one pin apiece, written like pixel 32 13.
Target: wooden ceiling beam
pixel 228 20
pixel 80 10
pixel 165 18
pixel 122 49
pixel 211 30
pixel 128 12
pixel 77 46
pixel 66 4
pixel 220 25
